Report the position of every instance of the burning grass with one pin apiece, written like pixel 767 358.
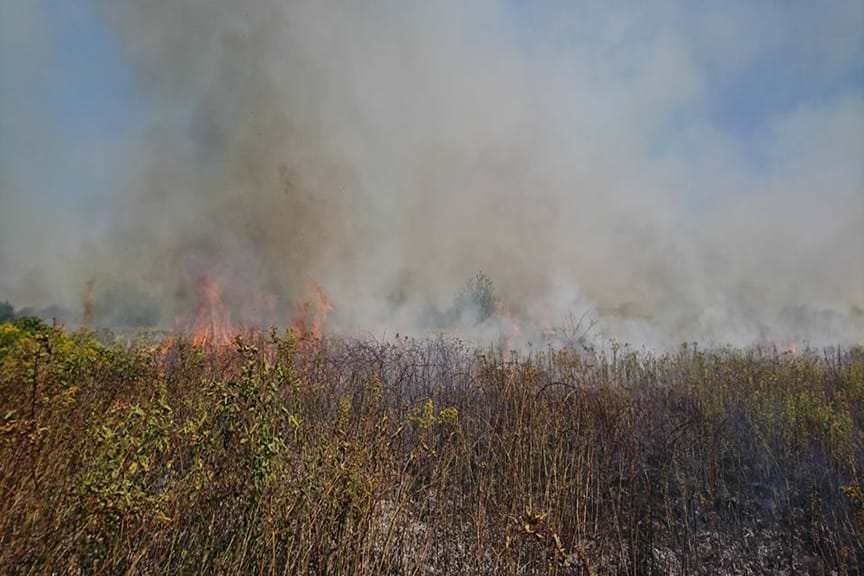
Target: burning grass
pixel 364 457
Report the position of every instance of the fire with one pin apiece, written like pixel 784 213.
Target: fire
pixel 310 316
pixel 212 326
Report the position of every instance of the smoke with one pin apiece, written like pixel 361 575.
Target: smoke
pixel 388 150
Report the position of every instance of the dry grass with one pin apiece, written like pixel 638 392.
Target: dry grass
pixel 425 457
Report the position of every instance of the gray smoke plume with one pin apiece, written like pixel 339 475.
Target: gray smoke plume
pixel 388 150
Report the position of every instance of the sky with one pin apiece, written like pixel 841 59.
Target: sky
pixel 722 111
pixel 64 94
pixel 63 58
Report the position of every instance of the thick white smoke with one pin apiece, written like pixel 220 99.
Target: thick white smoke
pixel 389 149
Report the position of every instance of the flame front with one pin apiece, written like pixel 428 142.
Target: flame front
pixel 310 316
pixel 212 326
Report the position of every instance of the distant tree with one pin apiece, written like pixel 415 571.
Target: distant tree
pixel 29 323
pixel 476 300
pixel 7 312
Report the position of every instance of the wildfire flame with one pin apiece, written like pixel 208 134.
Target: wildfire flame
pixel 310 316
pixel 212 326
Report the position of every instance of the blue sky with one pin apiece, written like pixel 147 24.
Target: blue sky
pixel 64 90
pixel 85 90
pixel 90 93
pixel 96 93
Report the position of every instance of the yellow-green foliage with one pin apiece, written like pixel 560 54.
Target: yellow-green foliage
pixel 128 453
pixel 366 458
pixel 810 415
pixel 856 376
pixel 426 423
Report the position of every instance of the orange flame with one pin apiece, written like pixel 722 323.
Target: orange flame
pixel 311 315
pixel 212 326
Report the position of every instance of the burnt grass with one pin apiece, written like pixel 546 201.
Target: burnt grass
pixel 286 456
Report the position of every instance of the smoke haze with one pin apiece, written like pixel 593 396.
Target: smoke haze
pixel 575 152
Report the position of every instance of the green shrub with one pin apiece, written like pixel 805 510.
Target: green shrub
pixel 356 457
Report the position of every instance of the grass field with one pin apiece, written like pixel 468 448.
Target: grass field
pixel 281 455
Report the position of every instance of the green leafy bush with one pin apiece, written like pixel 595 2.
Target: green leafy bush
pixel 358 457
